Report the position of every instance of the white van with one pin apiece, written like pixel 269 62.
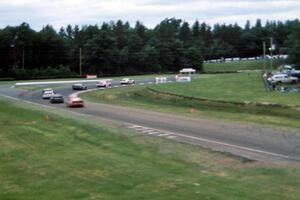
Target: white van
pixel 283 78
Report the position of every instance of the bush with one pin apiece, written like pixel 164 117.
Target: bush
pixel 6 79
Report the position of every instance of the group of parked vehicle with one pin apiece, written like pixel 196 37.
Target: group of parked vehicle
pixel 282 78
pixel 287 75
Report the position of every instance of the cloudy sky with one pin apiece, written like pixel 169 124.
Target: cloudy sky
pixel 63 12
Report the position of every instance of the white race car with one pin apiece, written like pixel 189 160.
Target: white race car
pixel 47 89
pixel 127 81
pixel 48 94
pixel 103 84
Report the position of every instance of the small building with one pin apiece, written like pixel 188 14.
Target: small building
pixel 187 71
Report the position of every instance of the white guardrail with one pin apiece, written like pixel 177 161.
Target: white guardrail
pixel 161 79
pixel 60 82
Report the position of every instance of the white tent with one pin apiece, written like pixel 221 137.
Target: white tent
pixel 189 71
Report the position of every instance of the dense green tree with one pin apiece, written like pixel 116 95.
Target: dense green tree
pixel 247 25
pixel 100 52
pixel 206 33
pixel 194 58
pixel 185 34
pixel 168 29
pixel 50 50
pixel 196 30
pixel 140 30
pixel 293 44
pixel 120 33
pixel 150 59
pixel 115 48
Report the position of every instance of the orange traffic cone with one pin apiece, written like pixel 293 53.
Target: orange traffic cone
pixel 46 118
pixel 193 110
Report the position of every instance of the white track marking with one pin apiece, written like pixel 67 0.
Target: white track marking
pixel 164 134
pixel 142 129
pixel 9 97
pixel 148 131
pixel 172 137
pixel 226 144
pixel 153 133
pixel 116 86
pixel 134 126
pixel 141 83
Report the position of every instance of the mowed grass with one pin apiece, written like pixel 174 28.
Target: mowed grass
pixel 76 159
pixel 240 65
pixel 33 87
pixel 237 87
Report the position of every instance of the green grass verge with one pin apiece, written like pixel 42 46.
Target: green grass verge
pixel 240 87
pixel 40 87
pixel 240 65
pixel 237 87
pixel 33 87
pixel 76 159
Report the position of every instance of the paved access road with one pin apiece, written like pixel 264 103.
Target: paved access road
pixel 247 140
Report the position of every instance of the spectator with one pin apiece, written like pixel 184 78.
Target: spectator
pixel 265 76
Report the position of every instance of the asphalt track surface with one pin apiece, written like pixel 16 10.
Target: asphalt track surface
pixel 247 140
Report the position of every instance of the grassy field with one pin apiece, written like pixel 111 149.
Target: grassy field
pixel 240 65
pixel 238 87
pixel 67 158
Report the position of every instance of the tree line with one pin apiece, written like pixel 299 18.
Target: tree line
pixel 116 48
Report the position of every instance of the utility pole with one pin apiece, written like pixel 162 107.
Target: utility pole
pixel 23 58
pixel 264 58
pixel 271 52
pixel 14 53
pixel 80 62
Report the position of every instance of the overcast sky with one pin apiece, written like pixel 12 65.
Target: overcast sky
pixel 63 12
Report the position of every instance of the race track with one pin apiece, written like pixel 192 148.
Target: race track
pixel 247 140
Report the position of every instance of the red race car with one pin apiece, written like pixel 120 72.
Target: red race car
pixel 74 101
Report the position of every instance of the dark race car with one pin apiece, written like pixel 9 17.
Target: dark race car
pixel 57 98
pixel 79 86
